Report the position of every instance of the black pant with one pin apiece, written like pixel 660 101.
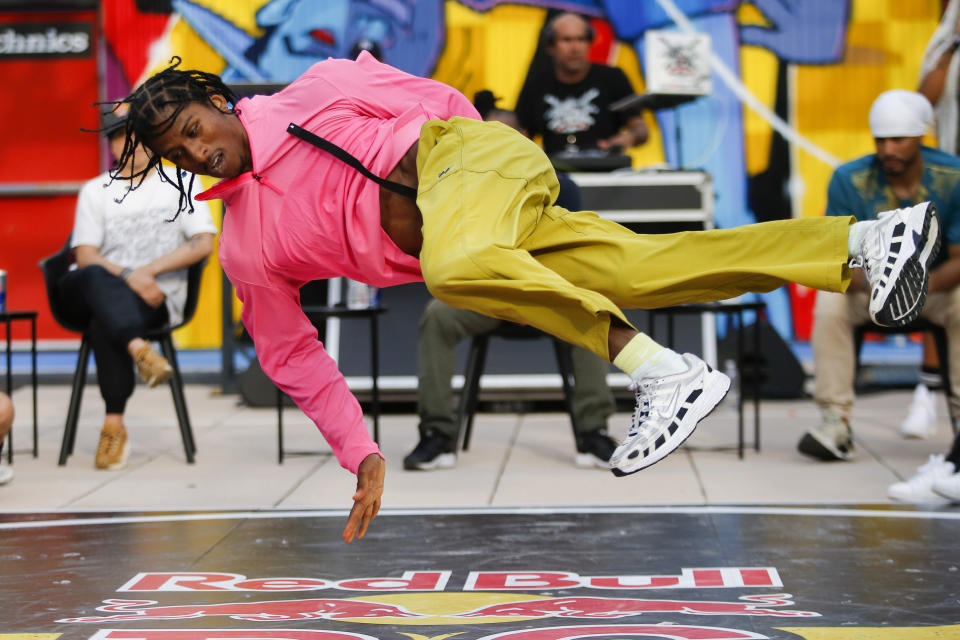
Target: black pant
pixel 113 315
pixel 954 455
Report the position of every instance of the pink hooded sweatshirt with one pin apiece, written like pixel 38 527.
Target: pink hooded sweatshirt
pixel 303 215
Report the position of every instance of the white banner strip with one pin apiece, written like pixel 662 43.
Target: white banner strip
pixel 740 90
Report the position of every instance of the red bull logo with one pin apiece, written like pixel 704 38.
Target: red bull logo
pixel 225 634
pixel 666 631
pixel 364 610
pixel 534 580
pixel 624 607
pixel 270 611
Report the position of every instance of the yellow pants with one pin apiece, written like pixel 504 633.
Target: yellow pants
pixel 493 242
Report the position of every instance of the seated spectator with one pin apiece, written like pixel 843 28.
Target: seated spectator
pixel 6 422
pixel 570 105
pixel 442 327
pixel 901 173
pixel 132 250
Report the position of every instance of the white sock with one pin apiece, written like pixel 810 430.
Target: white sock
pixel 855 239
pixel 643 358
pixel 666 363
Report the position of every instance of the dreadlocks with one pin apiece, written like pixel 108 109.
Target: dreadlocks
pixel 153 108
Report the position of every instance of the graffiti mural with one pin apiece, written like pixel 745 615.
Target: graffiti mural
pixel 799 65
pixel 296 33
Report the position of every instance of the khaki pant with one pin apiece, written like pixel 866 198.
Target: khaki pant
pixel 494 243
pixel 834 317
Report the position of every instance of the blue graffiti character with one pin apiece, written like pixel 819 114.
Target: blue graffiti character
pixel 297 33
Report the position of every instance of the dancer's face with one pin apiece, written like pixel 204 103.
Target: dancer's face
pixel 207 140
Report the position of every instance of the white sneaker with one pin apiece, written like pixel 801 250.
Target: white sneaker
pixel 6 474
pixel 921 420
pixel 948 486
pixel 667 411
pixel 919 488
pixel 896 254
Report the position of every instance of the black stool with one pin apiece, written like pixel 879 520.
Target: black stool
pixel 476 359
pixel 317 314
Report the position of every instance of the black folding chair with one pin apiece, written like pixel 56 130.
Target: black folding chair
pixel 476 360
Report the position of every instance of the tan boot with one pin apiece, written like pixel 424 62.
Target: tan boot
pixel 152 367
pixel 113 448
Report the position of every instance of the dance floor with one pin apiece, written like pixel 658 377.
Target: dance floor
pixel 710 573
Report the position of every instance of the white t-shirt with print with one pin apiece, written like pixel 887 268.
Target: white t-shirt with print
pixel 138 230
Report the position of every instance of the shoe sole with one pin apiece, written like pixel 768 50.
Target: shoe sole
pixel 160 378
pixel 813 446
pixel 590 461
pixel 947 496
pixel 442 461
pixel 904 302
pixel 715 388
pixel 933 499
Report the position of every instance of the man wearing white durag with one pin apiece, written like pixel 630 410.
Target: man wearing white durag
pixel 901 173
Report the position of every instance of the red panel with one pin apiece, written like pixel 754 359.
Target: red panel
pixel 48 101
pixel 31 229
pixel 130 33
pixel 802 300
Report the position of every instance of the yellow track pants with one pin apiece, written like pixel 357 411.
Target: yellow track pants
pixel 493 242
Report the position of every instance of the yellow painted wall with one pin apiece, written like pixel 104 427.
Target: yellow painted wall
pixel 885 43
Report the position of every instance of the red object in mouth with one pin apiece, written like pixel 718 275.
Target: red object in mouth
pixel 323 35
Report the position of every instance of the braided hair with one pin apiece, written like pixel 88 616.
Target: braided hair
pixel 152 109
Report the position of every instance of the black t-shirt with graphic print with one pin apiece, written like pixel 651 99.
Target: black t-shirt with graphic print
pixel 573 114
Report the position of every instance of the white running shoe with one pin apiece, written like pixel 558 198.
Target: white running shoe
pixel 896 254
pixel 919 488
pixel 921 420
pixel 6 474
pixel 667 411
pixel 948 486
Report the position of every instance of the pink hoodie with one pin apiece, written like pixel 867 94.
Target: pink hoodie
pixel 303 215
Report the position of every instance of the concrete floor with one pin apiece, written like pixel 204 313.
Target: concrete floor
pixel 514 459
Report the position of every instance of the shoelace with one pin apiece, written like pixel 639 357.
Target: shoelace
pixel 644 403
pixel 110 443
pixel 146 358
pixel 874 250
